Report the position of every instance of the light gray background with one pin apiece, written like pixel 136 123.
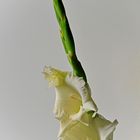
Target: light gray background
pixel 107 36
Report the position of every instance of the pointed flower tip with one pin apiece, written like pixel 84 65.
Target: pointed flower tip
pixel 54 76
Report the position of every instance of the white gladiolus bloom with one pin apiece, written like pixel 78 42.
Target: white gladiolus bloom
pixel 76 110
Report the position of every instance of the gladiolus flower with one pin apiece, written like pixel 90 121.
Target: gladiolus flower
pixel 76 110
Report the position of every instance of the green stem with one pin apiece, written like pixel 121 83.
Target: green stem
pixel 67 39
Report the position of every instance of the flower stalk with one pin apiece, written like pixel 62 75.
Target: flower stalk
pixel 68 40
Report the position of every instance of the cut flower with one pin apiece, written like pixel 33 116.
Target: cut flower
pixel 75 108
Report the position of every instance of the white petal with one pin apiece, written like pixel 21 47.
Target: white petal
pixel 84 90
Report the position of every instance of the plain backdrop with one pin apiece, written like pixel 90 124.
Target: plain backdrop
pixel 107 37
